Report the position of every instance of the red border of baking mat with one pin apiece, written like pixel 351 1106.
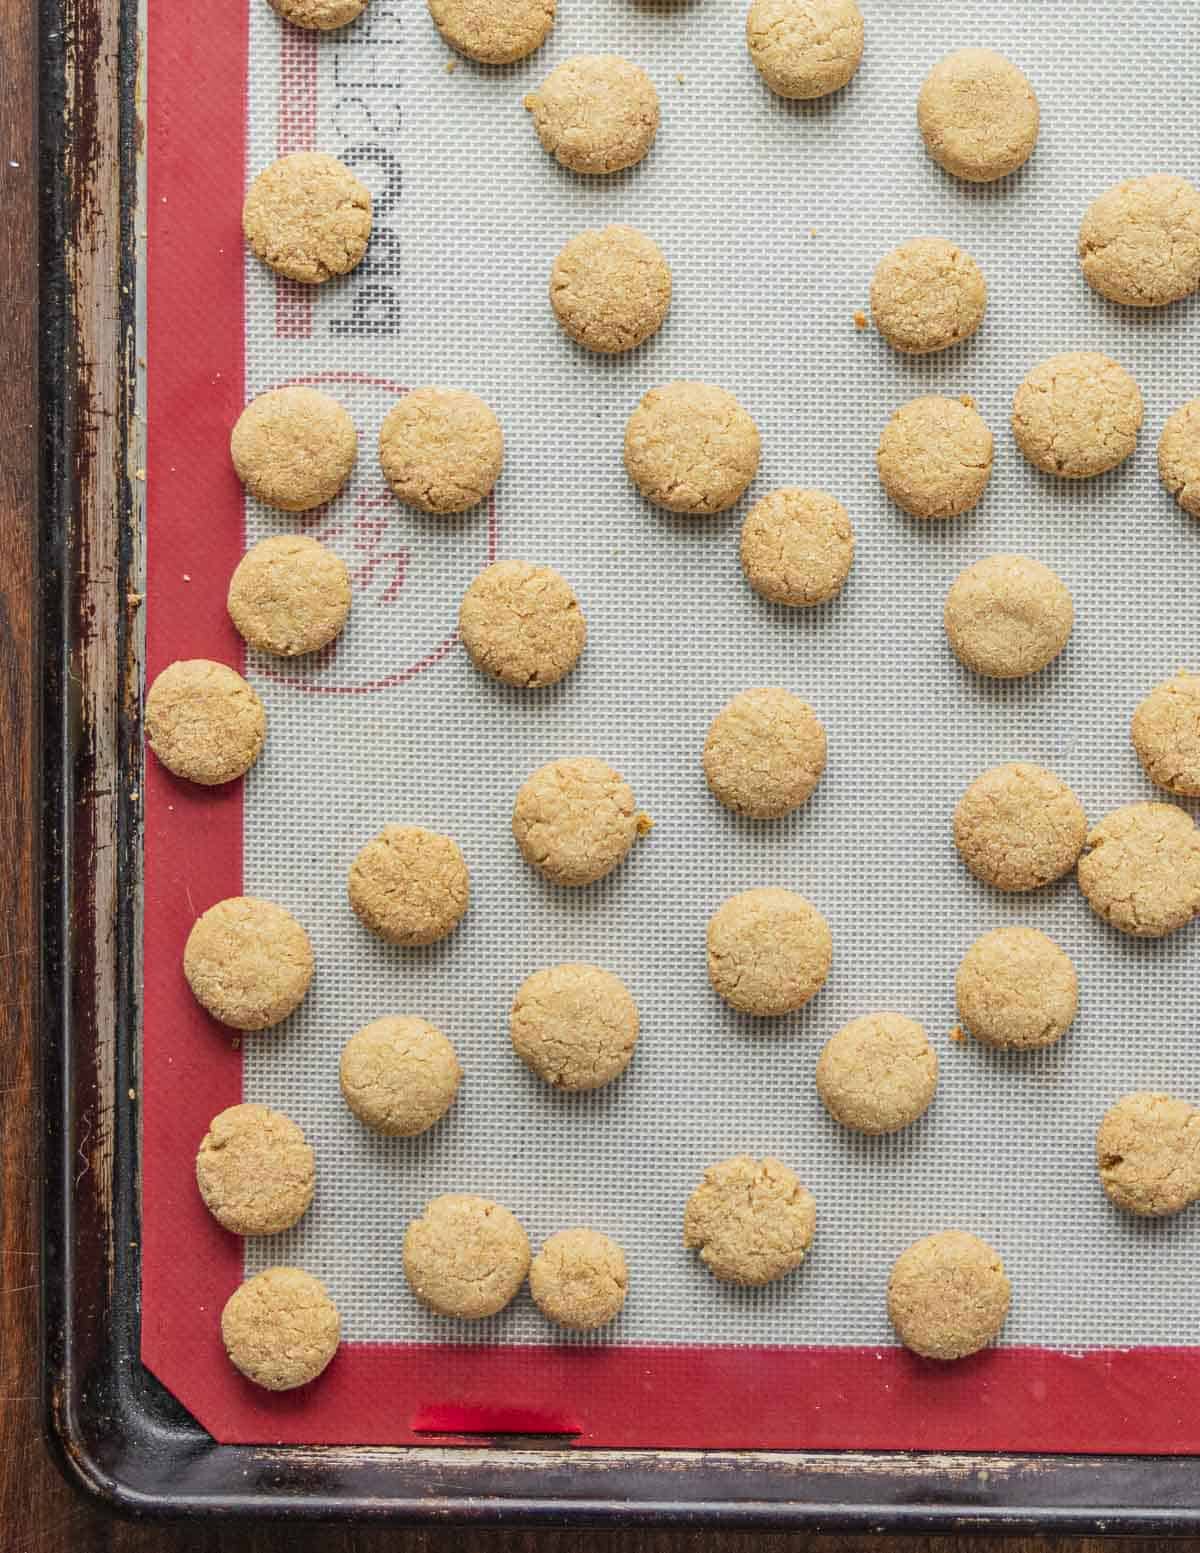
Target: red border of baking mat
pixel 1005 1399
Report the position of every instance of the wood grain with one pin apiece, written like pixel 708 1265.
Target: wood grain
pixel 38 1512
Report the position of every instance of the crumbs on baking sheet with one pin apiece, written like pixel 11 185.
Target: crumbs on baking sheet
pixel 451 66
pixel 860 319
pixel 968 400
pixel 958 1034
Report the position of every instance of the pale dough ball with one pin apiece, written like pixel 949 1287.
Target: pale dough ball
pixel 1077 415
pixel 1007 616
pixel 410 886
pixel 926 295
pixel 611 289
pixel 948 1295
pixel 978 115
pixel 1166 734
pixel 750 1220
pixel 575 820
pixel 1148 1153
pixel 1139 242
pixel 935 457
pixel 441 449
pixel 255 1170
pixel 289 595
pixel 579 1279
pixel 248 962
pixel 797 547
pixel 1179 456
pixel 1141 869
pixel 399 1075
pixel 1019 826
pixel 691 448
pixel 495 32
pixel 1015 987
pixel 204 722
pixel 308 217
pixel 805 48
pixel 769 951
pixel 319 15
pixel 878 1073
pixel 293 448
pixel 280 1328
pixel 574 1025
pixel 765 753
pixel 465 1256
pixel 595 113
pixel 522 624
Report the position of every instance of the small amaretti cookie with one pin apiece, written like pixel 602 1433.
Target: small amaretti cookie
pixel 204 722
pixel 399 1075
pixel 308 217
pixel 579 1279
pixel 248 962
pixel 319 15
pixel 1148 1153
pixel 1017 989
pixel 948 1295
pixel 595 113
pixel 1007 616
pixel 522 624
pixel 769 951
pixel 797 547
pixel 1018 826
pixel 978 115
pixel 1166 734
pixel 691 448
pixel 764 753
pixel 576 819
pixel 1139 242
pixel 293 447
pixel 878 1073
pixel 465 1256
pixel 1179 456
pixel 409 885
pixel 289 595
pixel 574 1025
pixel 805 48
pixel 1140 869
pixel 1077 415
pixel 935 457
pixel 927 295
pixel 280 1328
pixel 256 1170
pixel 751 1220
pixel 496 33
pixel 441 449
pixel 610 289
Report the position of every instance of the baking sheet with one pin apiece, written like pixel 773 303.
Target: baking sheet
pixel 773 217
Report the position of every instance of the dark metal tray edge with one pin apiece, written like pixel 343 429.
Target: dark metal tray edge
pixel 116 1433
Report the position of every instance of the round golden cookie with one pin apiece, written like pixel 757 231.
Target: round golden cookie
pixel 308 217
pixel 248 962
pixel 691 448
pixel 1016 988
pixel 878 1073
pixel 410 886
pixel 293 448
pixel 255 1170
pixel 574 1025
pixel 1139 242
pixel 1166 734
pixel 750 1220
pixel 805 48
pixel 465 1256
pixel 595 113
pixel 926 295
pixel 204 722
pixel 948 1295
pixel 934 457
pixel 495 32
pixel 289 595
pixel 1141 869
pixel 1077 415
pixel 1179 456
pixel 610 289
pixel 1019 826
pixel 1007 616
pixel 978 115
pixel 522 624
pixel 280 1328
pixel 1148 1153
pixel 769 951
pixel 575 820
pixel 579 1279
pixel 319 15
pixel 399 1075
pixel 765 753
pixel 797 547
pixel 441 449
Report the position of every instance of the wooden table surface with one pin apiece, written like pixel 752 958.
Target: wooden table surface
pixel 39 1513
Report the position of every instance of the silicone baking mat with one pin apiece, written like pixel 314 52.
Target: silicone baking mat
pixel 773 216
